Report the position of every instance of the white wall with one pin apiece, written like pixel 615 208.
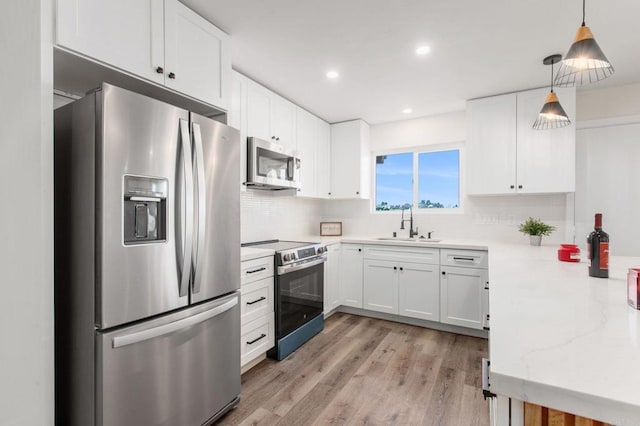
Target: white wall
pixel 26 216
pixel 620 101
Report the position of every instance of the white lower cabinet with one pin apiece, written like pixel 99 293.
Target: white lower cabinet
pixel 351 275
pixel 332 279
pixel 257 320
pixel 381 286
pixel 462 296
pixel 410 289
pixel 419 291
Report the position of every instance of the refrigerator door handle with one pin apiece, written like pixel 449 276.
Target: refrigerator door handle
pixel 140 336
pixel 187 238
pixel 202 206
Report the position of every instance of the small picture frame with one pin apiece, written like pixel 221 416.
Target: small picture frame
pixel 330 229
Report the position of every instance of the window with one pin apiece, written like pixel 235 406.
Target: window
pixel 422 179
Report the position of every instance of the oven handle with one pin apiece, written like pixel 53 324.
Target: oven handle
pixel 282 270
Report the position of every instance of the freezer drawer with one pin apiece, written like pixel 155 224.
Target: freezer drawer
pixel 181 369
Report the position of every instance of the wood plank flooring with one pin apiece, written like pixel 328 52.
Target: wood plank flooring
pixel 365 371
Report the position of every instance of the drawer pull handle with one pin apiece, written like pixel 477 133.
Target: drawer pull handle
pixel 257 270
pixel 251 342
pixel 468 259
pixel 257 300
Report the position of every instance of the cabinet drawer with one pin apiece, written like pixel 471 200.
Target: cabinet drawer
pixel 464 258
pixel 257 337
pixel 256 300
pixel 402 254
pixel 256 269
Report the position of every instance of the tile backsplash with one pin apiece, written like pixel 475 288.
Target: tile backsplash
pixel 269 215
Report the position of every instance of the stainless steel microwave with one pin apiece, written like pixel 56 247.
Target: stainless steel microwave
pixel 271 166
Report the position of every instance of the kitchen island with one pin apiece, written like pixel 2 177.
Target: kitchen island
pixel 560 338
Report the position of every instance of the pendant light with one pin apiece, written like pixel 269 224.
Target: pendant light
pixel 552 115
pixel 584 62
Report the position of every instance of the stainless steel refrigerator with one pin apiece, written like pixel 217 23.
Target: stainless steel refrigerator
pixel 147 261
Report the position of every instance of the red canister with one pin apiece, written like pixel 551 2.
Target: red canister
pixel 569 253
pixel 633 284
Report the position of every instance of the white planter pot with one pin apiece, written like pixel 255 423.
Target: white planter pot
pixel 535 240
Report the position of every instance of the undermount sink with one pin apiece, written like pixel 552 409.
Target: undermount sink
pixel 414 240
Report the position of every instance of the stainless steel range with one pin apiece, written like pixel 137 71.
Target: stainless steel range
pixel 299 290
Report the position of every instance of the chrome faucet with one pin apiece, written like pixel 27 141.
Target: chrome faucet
pixel 412 233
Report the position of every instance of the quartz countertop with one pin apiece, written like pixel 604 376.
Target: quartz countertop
pixel 250 253
pixel 562 339
pixel 416 242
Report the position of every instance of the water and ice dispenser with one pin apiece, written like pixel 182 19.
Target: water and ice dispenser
pixel 145 209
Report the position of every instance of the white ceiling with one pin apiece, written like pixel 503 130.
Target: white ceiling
pixel 479 48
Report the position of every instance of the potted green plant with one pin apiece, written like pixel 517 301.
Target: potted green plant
pixel 536 228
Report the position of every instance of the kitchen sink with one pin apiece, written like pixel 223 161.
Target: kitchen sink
pixel 415 240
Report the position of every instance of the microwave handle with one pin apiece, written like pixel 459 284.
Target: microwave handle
pixel 290 166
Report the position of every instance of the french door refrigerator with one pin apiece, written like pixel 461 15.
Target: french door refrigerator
pixel 147 258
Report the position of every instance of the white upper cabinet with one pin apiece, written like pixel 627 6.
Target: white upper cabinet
pixel 237 117
pixel 491 145
pixel 270 117
pixel 546 159
pixel 197 57
pixel 505 155
pixel 125 34
pixel 323 160
pixel 159 40
pixel 350 160
pixel 283 122
pixel 307 140
pixel 258 111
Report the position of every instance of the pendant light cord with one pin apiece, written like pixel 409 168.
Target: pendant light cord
pixel 552 62
pixel 583 12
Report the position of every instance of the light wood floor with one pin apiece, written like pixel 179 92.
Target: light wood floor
pixel 367 371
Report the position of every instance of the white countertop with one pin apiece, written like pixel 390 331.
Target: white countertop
pixel 250 253
pixel 562 339
pixel 445 243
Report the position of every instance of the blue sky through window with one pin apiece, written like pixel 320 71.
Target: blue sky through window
pixel 438 180
pixel 394 180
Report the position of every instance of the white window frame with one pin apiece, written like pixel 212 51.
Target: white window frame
pixel 416 151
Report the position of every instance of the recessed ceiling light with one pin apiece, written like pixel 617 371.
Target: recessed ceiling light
pixel 423 50
pixel 332 74
pixel 407 111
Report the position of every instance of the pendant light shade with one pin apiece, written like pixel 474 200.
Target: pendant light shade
pixel 552 115
pixel 585 62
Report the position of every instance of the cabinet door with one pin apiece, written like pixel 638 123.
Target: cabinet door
pixel 332 279
pixel 546 158
pixel 381 286
pixel 197 60
pixel 237 117
pixel 283 122
pixel 345 160
pixel 462 296
pixel 307 141
pixel 491 145
pixel 259 111
pixel 125 34
pixel 419 291
pixel 323 155
pixel 351 275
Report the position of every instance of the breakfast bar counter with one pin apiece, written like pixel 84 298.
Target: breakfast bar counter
pixel 562 339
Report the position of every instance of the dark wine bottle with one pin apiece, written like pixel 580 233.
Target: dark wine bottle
pixel 598 250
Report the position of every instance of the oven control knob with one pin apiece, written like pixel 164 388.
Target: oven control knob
pixel 286 257
pixel 293 256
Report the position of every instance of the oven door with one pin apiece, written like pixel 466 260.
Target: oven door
pixel 299 295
